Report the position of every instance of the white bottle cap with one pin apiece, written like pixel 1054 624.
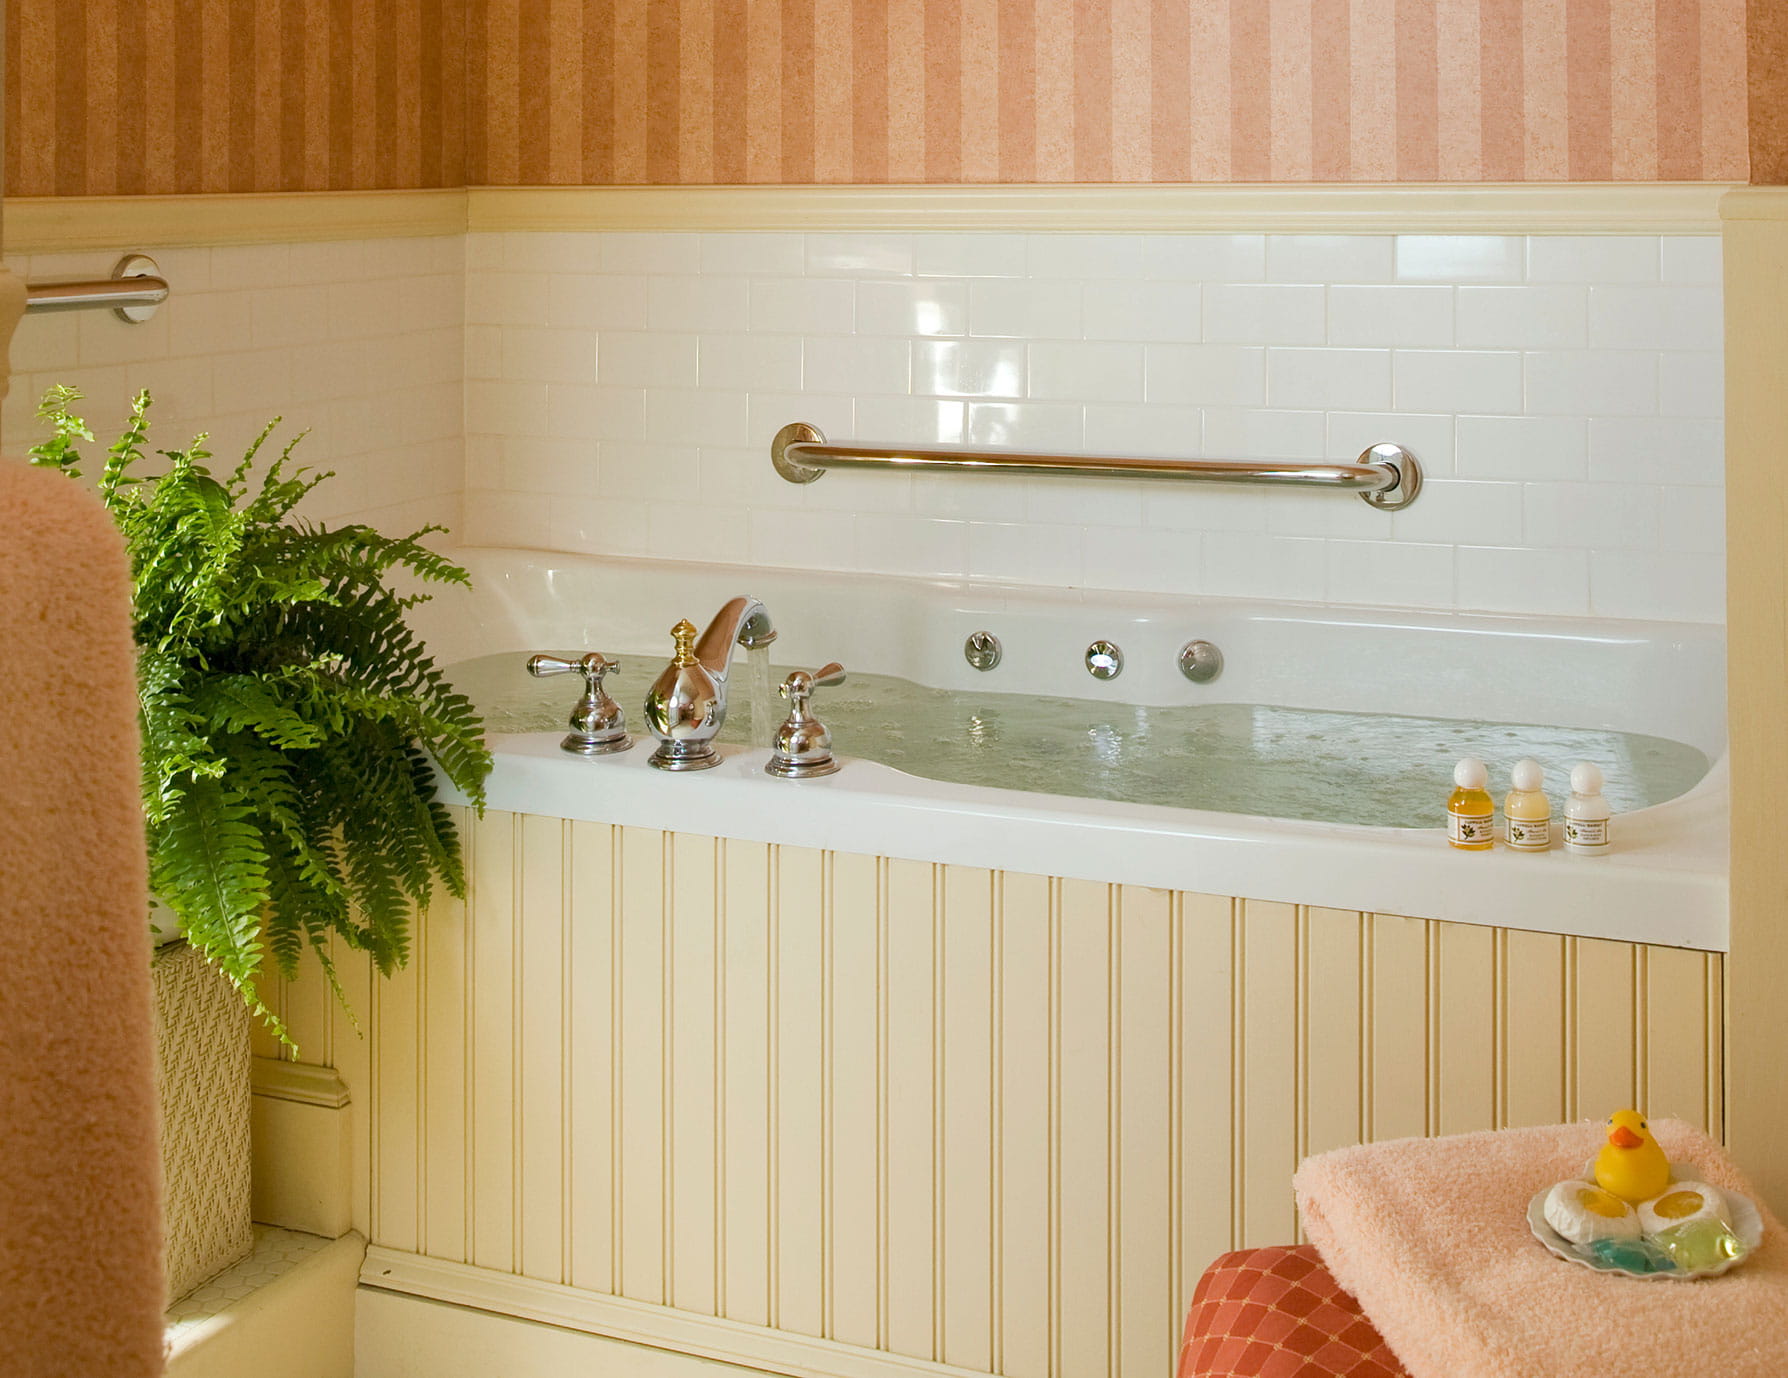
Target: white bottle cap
pixel 1471 773
pixel 1586 778
pixel 1527 775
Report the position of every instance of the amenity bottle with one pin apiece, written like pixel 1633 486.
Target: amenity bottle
pixel 1527 812
pixel 1586 813
pixel 1471 814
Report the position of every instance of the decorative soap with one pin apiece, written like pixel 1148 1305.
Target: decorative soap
pixel 1682 1202
pixel 1582 1212
pixel 1699 1244
pixel 1633 1255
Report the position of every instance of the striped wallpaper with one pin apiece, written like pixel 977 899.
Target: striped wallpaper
pixel 160 97
pixel 869 91
pixel 1767 26
pixel 166 96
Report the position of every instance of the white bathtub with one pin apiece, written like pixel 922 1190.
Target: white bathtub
pixel 1664 884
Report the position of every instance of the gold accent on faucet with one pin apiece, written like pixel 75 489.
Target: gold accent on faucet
pixel 684 635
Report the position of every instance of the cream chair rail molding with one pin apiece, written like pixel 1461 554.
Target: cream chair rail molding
pixel 68 224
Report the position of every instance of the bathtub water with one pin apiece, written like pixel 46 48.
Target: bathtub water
pixel 1374 769
pixel 1288 778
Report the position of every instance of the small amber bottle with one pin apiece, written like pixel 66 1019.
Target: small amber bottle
pixel 1471 814
pixel 1527 812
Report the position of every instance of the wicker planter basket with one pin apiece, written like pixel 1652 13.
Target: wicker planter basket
pixel 202 1072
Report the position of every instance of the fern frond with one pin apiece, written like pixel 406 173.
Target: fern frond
pixel 293 725
pixel 243 703
pixel 59 450
pixel 208 863
pixel 126 450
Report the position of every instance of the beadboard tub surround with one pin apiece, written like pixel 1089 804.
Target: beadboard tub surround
pixel 842 1116
pixel 1562 392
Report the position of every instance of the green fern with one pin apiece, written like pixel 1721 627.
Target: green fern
pixel 292 723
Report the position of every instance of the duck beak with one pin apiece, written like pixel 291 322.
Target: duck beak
pixel 1622 1137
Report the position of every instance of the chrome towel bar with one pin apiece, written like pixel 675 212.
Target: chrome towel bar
pixel 1387 476
pixel 135 288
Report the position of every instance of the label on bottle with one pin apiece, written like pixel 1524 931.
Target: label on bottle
pixel 1470 829
pixel 1530 834
pixel 1584 833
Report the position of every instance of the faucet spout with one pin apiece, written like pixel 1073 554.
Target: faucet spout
pixel 686 704
pixel 743 622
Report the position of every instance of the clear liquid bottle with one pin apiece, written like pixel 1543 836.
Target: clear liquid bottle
pixel 1586 813
pixel 1471 813
pixel 1527 812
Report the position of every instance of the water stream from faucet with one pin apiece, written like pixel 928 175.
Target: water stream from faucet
pixel 760 693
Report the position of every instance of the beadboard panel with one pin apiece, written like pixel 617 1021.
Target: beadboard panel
pixel 997 1122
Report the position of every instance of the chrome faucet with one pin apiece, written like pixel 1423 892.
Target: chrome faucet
pixel 686 704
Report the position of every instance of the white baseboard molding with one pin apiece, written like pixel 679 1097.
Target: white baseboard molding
pixel 398 1336
pixel 509 1299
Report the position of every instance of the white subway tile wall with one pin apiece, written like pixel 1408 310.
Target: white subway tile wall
pixel 1563 394
pixel 362 342
pixel 617 393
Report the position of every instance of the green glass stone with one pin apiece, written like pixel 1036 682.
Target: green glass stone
pixel 1698 1244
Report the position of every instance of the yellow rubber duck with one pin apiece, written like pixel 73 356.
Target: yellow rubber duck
pixel 1631 1165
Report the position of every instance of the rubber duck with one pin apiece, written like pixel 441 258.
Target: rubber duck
pixel 1630 1164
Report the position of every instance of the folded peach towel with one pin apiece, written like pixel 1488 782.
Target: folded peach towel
pixel 1431 1236
pixel 80 1173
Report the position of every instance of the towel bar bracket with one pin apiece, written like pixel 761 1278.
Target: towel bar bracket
pixel 134 290
pixel 1386 476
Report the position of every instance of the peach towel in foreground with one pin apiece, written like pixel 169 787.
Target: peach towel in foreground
pixel 80 1224
pixel 1431 1236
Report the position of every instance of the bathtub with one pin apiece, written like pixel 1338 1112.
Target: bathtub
pixel 872 1076
pixel 1664 884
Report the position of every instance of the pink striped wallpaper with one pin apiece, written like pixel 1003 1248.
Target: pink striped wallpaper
pixel 868 91
pixel 159 97
pixel 108 97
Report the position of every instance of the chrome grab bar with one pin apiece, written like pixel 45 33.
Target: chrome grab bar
pixel 135 288
pixel 1387 476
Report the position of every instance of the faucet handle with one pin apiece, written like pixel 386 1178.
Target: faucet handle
pixel 803 747
pixel 598 724
pixel 592 666
pixel 799 686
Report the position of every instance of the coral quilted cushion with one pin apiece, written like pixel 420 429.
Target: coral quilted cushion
pixel 1278 1313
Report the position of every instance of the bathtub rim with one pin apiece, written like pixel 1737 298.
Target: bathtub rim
pixel 1664 883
